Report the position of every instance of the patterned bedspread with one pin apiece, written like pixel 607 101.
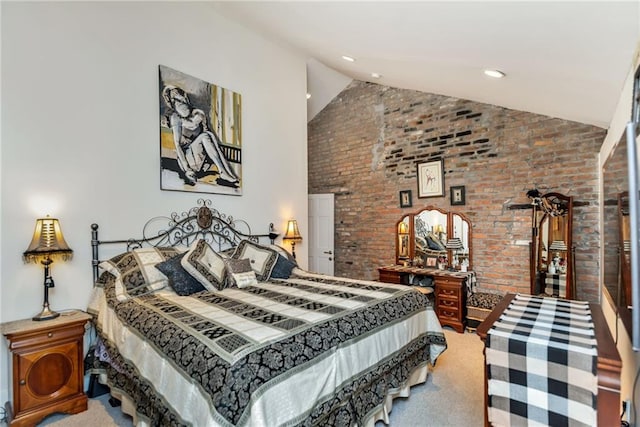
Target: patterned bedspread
pixel 308 350
pixel 541 362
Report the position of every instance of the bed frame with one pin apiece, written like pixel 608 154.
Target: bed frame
pixel 199 222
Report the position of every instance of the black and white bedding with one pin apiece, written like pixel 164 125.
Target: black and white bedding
pixel 255 348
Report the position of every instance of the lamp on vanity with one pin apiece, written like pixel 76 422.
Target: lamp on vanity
pixel 292 235
pixel 47 245
pixel 454 244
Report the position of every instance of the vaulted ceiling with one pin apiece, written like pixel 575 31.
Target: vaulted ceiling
pixel 561 59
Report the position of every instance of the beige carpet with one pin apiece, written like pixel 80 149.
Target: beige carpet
pixel 451 396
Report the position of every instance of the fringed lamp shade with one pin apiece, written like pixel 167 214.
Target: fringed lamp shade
pixel 48 242
pixel 292 235
pixel 47 245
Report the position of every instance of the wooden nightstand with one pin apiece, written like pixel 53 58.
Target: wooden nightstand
pixel 48 371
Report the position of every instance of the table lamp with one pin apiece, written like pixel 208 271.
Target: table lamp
pixel 47 245
pixel 454 244
pixel 292 235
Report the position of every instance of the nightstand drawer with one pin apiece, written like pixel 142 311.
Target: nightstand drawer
pixel 44 337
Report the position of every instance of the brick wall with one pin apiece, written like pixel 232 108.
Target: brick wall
pixel 365 144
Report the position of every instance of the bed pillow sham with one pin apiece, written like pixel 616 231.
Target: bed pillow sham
pixel 262 258
pixel 240 274
pixel 205 265
pixel 282 268
pixel 135 271
pixel 179 279
pixel 285 253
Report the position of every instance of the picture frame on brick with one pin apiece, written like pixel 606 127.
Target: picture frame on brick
pixel 457 195
pixel 430 179
pixel 405 199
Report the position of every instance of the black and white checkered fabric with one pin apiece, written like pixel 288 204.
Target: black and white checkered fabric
pixel 557 283
pixel 541 364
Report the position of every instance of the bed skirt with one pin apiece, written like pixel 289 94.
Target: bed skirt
pixel 381 413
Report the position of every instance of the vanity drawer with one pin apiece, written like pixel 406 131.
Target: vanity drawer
pixel 450 313
pixel 448 292
pixel 448 304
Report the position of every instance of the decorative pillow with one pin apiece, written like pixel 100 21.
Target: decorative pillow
pixel 434 243
pixel 262 259
pixel 240 274
pixel 181 281
pixel 227 253
pixel 285 253
pixel 205 265
pixel 135 271
pixel 282 268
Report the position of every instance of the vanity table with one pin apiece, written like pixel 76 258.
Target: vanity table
pixel 451 289
pixel 435 245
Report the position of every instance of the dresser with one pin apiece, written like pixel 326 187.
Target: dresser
pixel 47 367
pixel 451 288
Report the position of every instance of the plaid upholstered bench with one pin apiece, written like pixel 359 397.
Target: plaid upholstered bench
pixel 479 305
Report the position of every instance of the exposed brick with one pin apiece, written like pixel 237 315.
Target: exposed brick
pixel 364 147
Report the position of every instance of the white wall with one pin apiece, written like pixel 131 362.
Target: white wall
pixel 630 359
pixel 80 138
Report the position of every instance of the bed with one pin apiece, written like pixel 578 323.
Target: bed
pixel 261 342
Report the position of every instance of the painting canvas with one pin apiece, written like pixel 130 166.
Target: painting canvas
pixel 200 135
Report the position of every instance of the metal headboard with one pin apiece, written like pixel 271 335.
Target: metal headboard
pixel 199 222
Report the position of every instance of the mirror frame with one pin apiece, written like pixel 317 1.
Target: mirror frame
pixel 407 232
pixel 539 241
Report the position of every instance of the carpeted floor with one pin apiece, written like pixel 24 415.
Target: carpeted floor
pixel 451 396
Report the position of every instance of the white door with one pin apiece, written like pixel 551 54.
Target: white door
pixel 321 252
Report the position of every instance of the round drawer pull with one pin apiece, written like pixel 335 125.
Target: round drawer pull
pixel 50 334
pixel 22 382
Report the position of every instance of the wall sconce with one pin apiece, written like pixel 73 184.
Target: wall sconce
pixel 47 245
pixel 292 235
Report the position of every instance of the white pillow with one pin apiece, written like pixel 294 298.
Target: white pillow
pixel 205 265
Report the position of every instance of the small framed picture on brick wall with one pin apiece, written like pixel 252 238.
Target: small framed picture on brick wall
pixel 457 195
pixel 431 179
pixel 405 199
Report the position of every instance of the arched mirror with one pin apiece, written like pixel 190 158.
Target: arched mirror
pixel 433 238
pixel 461 231
pixel 552 258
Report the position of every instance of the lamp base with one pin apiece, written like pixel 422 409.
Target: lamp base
pixel 45 314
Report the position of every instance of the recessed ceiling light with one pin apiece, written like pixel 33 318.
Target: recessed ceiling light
pixel 308 95
pixel 496 74
pixel 376 75
pixel 348 58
